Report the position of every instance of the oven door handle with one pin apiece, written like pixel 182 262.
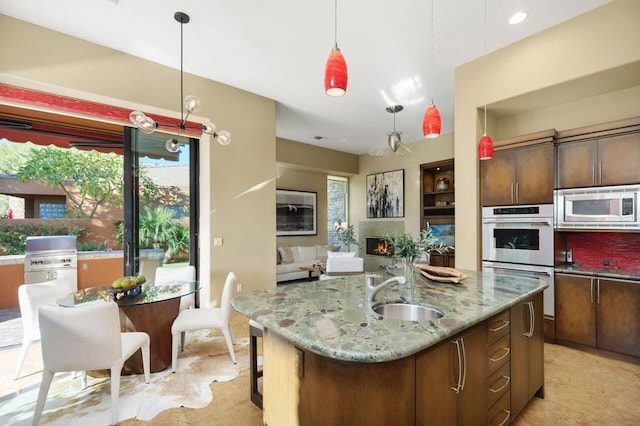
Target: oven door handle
pixel 506 268
pixel 524 222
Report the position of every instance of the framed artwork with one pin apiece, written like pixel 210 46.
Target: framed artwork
pixel 385 194
pixel 296 212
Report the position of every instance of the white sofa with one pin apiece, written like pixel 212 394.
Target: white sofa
pixel 290 259
pixel 344 263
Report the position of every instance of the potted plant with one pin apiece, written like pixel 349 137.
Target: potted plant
pixel 345 234
pixel 408 249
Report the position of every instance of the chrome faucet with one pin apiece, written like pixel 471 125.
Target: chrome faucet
pixel 371 289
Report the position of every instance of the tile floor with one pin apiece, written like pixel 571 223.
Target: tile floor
pixel 581 388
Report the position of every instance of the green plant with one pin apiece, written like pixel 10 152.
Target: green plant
pixel 346 235
pixel 404 246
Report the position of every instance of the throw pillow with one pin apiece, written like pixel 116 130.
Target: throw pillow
pixel 286 254
pixel 305 254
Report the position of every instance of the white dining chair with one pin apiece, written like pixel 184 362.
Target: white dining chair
pixel 167 274
pixel 206 318
pixel 30 298
pixel 86 337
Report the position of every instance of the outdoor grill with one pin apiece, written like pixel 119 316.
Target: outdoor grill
pixel 51 258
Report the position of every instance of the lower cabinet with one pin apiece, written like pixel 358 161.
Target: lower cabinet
pixel 451 380
pixel 599 312
pixel 527 352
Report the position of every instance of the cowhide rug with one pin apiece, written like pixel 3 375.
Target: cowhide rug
pixel 205 359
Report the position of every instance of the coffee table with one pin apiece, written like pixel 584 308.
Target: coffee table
pixel 318 269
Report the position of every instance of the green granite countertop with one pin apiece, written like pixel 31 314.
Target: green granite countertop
pixel 332 318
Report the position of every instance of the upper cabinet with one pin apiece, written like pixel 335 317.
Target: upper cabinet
pixel 595 157
pixel 520 172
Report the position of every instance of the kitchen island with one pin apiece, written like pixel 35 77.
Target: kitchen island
pixel 330 359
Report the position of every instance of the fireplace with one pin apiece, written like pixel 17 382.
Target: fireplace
pixel 376 246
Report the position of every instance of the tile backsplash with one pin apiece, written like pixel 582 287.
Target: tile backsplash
pixel 621 250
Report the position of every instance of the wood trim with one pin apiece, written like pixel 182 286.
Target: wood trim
pixel 628 125
pixel 529 139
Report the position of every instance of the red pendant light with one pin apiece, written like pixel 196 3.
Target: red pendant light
pixel 431 122
pixel 335 72
pixel 335 75
pixel 485 148
pixel 485 145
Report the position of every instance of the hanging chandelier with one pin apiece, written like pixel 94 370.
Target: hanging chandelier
pixel 335 73
pixel 393 138
pixel 485 145
pixel 431 122
pixel 191 104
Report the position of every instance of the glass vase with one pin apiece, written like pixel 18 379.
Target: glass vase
pixel 409 271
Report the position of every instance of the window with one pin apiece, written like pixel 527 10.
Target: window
pixel 51 210
pixel 337 205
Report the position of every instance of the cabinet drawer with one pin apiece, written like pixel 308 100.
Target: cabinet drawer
pixel 500 413
pixel 498 354
pixel 498 326
pixel 499 383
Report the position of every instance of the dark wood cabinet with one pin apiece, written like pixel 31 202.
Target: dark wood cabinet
pixel 575 311
pixel 519 174
pixel 618 316
pixel 451 380
pixel 603 155
pixel 527 352
pixel 598 312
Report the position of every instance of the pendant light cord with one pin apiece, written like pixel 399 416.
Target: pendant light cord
pixel 432 43
pixel 181 76
pixel 485 64
pixel 335 23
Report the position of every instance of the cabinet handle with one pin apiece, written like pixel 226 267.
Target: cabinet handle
pixel 593 173
pixel 506 418
pixel 598 292
pixel 517 192
pixel 532 312
pixel 456 388
pixel 503 386
pixel 512 197
pixel 531 320
pixel 591 288
pixel 507 350
pixel 464 361
pixel 505 323
pixel 599 172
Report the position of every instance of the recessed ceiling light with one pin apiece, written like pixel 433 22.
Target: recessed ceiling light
pixel 518 17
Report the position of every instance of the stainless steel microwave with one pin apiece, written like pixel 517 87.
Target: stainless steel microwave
pixel 607 207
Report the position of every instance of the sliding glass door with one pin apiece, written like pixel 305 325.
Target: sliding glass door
pixel 160 203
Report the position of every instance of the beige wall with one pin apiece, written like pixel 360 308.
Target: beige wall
pixel 423 151
pixel 241 183
pixel 303 167
pixel 551 63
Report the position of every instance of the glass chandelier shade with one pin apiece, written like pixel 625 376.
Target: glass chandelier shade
pixel 431 123
pixel 191 104
pixel 485 147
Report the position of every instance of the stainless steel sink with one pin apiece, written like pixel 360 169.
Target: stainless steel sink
pixel 407 312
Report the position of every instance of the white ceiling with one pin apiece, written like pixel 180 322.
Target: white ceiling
pixel 278 49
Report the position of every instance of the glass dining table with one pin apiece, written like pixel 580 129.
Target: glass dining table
pixel 153 311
